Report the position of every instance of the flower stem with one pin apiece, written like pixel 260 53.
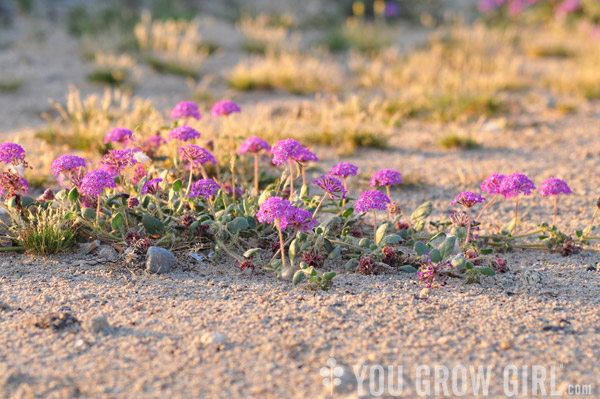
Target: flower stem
pixel 374 225
pixel 486 207
pixel 291 179
pixel 589 228
pixel 4 249
pixel 255 174
pixel 555 207
pixel 98 212
pixel 387 189
pixel 303 174
pixel 281 245
pixel 319 206
pixel 345 189
pixel 468 228
pixel 516 216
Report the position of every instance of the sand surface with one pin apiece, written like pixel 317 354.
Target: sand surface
pixel 270 340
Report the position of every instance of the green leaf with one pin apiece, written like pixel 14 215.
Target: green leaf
pixel 447 247
pixel 265 195
pixel 88 213
pixel 336 253
pixel 407 269
pixel 392 239
pixel 508 227
pixel 486 251
pixel 327 245
pixel 351 264
pixel 304 191
pixel 298 276
pixel 488 271
pixel 177 185
pixel 304 265
pixel 380 233
pixel 252 222
pixel 460 263
pixel 459 232
pixel 329 276
pixel 421 248
pixel 117 221
pixel 365 243
pixel 435 255
pixel 73 194
pixel 250 252
pixel 26 201
pixel 347 213
pixel 238 224
pixel 293 250
pixel 422 212
pixel 152 225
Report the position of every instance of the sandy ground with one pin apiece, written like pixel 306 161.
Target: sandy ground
pixel 271 340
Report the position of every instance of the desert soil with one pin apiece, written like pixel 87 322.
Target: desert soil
pixel 208 331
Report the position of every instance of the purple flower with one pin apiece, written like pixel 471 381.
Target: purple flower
pixel 385 177
pixel 204 188
pixel 12 184
pixel 184 133
pixel 554 186
pixel 138 174
pixel 225 107
pixel 117 160
pixel 195 154
pixel 118 135
pixel 305 155
pixel 302 220
pixel 12 154
pixel 132 202
pixel 331 186
pixel 68 166
pixel 284 150
pixel 239 191
pixel 567 7
pixel 186 109
pixel 275 208
pixel 344 169
pixel 95 181
pixel 254 145
pixel 152 144
pixel 151 186
pixel 516 184
pixel 492 184
pixel 371 199
pixel 468 199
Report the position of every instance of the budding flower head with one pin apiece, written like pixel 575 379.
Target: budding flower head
pixel 516 184
pixel 344 169
pixel 225 107
pixel 151 186
pixel 371 199
pixel 385 177
pixel 12 154
pixel 118 135
pixel 204 188
pixel 305 155
pixel 195 154
pixel 284 150
pixel 468 199
pixel 132 202
pixel 331 186
pixel 492 184
pixel 253 144
pixel 554 186
pixel 276 209
pixel 95 181
pixel 184 133
pixel 186 109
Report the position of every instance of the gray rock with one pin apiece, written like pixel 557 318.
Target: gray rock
pixel 88 247
pixel 96 325
pixel 107 252
pixel 209 338
pixel 55 321
pixel 287 274
pixel 159 260
pixel 532 278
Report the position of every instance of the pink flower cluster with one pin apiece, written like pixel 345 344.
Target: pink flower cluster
pixel 276 209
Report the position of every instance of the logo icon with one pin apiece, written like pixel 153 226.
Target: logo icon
pixel 331 374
